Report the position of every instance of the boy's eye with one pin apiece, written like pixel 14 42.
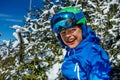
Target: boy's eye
pixel 72 30
pixel 62 32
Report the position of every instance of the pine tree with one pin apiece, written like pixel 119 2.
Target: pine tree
pixel 36 51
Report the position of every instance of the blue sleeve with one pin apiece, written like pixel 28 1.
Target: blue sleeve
pixel 100 65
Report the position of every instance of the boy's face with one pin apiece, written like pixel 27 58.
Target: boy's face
pixel 71 36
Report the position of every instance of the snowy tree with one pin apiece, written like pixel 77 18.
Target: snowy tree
pixel 36 54
pixel 35 49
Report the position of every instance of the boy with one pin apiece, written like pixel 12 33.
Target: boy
pixel 84 59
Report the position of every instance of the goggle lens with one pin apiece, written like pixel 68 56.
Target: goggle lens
pixel 64 20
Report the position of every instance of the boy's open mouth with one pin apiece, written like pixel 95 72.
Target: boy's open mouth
pixel 71 40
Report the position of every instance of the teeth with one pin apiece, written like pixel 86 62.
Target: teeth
pixel 71 40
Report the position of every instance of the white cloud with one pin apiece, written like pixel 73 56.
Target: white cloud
pixel 13 20
pixel 4 15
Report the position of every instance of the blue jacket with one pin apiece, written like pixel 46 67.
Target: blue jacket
pixel 88 61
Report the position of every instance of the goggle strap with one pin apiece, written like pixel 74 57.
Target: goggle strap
pixel 79 15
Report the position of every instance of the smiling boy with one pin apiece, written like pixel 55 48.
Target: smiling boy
pixel 71 36
pixel 85 59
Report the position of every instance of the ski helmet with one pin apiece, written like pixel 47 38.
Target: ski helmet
pixel 77 12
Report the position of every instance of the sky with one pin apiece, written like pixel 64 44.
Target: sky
pixel 13 12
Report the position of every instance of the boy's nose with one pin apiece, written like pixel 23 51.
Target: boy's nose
pixel 68 34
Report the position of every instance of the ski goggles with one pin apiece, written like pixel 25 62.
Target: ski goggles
pixel 65 20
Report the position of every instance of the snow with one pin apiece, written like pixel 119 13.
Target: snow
pixel 29 46
pixel 106 9
pixel 91 3
pixel 53 72
pixel 20 28
pixel 111 31
pixel 117 44
pixel 17 41
pixel 52 10
pixel 115 19
pixel 118 56
pixel 25 40
pixel 6 42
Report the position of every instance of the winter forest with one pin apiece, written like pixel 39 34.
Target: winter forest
pixel 35 54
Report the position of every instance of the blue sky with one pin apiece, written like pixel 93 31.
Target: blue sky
pixel 12 12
